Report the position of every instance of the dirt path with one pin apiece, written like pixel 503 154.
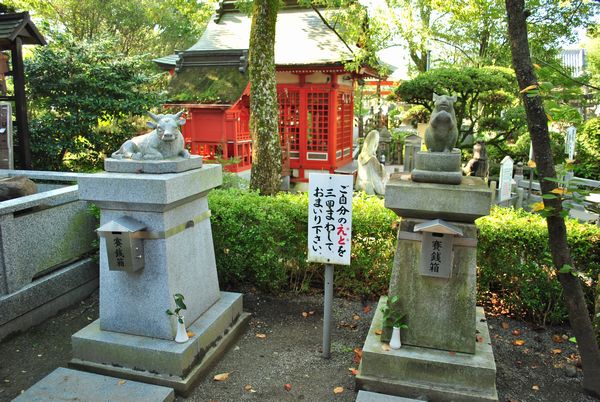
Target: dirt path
pixel 289 353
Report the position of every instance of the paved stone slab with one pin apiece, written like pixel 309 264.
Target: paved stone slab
pixel 462 202
pixel 70 385
pixel 176 165
pixel 429 373
pixel 366 396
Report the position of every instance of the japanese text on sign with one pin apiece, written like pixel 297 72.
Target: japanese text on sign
pixel 329 218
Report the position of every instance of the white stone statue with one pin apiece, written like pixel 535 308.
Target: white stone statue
pixel 371 174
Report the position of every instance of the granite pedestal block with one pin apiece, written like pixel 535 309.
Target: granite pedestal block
pixel 159 361
pixel 428 374
pixel 174 165
pixel 440 312
pixel 70 385
pixel 437 167
pixel 465 202
pixel 178 249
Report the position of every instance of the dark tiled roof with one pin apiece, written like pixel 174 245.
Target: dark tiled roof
pixel 15 25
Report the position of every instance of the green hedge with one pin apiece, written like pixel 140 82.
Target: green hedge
pixel 514 261
pixel 262 242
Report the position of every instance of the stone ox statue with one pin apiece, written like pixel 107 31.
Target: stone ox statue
pixel 164 142
pixel 442 133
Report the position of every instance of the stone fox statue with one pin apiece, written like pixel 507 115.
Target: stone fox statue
pixel 442 133
pixel 164 142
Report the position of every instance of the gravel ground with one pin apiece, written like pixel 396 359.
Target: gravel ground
pixel 284 363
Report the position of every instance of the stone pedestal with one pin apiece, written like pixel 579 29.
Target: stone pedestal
pixel 440 358
pixel 167 217
pixel 437 167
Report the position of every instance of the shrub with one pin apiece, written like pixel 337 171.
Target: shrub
pixel 514 261
pixel 588 151
pixel 263 241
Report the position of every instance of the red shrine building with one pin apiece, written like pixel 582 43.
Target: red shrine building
pixel 315 92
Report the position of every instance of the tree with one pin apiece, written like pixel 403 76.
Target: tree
pixel 156 27
pixel 537 124
pixel 83 99
pixel 483 97
pixel 264 111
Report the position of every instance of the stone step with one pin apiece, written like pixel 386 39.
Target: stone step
pixel 367 396
pixel 71 385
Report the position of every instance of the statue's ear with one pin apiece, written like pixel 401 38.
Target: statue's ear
pixel 435 97
pixel 181 121
pixel 151 124
pixel 453 98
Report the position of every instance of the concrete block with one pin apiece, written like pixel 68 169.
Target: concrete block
pixel 70 385
pixel 160 361
pixel 133 191
pixel 175 165
pixel 47 295
pixel 135 302
pixel 440 311
pixel 463 202
pixel 366 396
pixel 429 374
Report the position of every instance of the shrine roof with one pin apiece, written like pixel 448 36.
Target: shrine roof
pixel 302 38
pixel 18 25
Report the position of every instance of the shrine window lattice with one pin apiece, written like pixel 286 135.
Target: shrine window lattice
pixel 289 118
pixel 344 124
pixel 318 121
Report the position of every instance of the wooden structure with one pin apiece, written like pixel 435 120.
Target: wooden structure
pixel 315 92
pixel 16 30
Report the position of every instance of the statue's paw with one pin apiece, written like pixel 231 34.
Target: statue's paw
pixel 137 156
pixel 185 154
pixel 116 155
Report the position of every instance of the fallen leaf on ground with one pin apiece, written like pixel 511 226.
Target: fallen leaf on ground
pixel 287 387
pixel 357 355
pixel 248 388
pixel 535 388
pixel 304 314
pixel 190 334
pixel 261 336
pixel 479 339
pixel 121 382
pixel 311 313
pixel 557 339
pixel 386 347
pixel 366 309
pixel 516 332
pixel 556 351
pixel 356 317
pixel 518 342
pixel 378 332
pixel 505 325
pixel 221 377
pixel 353 370
pixel 338 390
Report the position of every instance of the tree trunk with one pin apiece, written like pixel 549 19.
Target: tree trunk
pixel 266 149
pixel 537 123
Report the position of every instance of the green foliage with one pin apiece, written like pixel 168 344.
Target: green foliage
pixel 483 94
pixel 417 114
pixel 588 150
pixel 207 85
pixel 179 302
pixel 83 99
pixel 515 262
pixel 392 316
pixel 263 241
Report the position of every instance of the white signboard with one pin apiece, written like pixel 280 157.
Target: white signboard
pixel 329 218
pixel 570 140
pixel 506 172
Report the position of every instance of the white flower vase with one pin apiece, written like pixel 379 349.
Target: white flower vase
pixel 182 335
pixel 395 342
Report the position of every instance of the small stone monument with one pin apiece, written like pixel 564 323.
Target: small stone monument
pixel 506 178
pixel 155 242
pixel 371 173
pixel 446 353
pixel 478 164
pixel 441 162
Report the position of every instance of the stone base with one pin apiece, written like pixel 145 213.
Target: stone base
pixel 366 396
pixel 460 203
pixel 429 374
pixel 437 167
pixel 175 165
pixel 46 296
pixel 70 385
pixel 159 361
